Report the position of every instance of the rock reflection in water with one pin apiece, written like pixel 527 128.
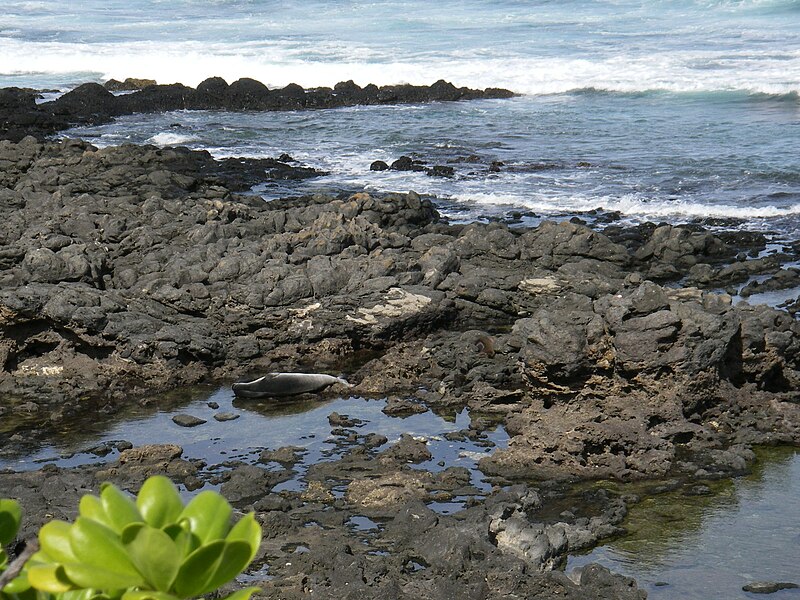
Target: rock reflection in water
pixel 301 422
pixel 27 440
pixel 709 546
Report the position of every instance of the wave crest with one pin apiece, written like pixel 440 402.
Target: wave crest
pixel 279 63
pixel 168 138
pixel 632 205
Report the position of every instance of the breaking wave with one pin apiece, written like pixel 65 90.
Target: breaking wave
pixel 279 63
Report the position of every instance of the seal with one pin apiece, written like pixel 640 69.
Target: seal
pixel 285 384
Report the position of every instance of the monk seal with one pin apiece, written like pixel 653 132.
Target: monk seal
pixel 285 384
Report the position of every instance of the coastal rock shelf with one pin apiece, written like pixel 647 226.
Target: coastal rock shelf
pixel 91 103
pixel 376 540
pixel 129 270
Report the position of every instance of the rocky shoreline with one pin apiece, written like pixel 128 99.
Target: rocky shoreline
pixel 132 270
pixel 93 104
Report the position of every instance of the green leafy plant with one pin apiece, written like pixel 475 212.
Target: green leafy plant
pixel 10 518
pixel 148 548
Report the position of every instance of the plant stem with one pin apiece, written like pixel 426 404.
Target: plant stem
pixel 15 567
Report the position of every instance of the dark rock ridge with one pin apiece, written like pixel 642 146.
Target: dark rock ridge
pixel 127 270
pixel 130 84
pixel 406 163
pixel 91 103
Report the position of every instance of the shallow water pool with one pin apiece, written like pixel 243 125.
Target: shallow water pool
pixel 708 546
pixel 258 425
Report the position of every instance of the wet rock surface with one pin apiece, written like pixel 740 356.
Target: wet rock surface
pixel 769 587
pixel 131 270
pixel 406 163
pixel 92 103
pixel 184 420
pixel 379 538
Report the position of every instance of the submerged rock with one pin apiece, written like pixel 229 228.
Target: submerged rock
pixel 768 587
pixel 226 416
pixel 185 420
pixel 400 407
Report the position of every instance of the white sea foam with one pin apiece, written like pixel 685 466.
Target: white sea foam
pixel 170 139
pixel 630 205
pixel 278 63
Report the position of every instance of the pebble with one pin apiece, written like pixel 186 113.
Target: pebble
pixel 100 450
pixel 374 440
pixel 185 420
pixel 769 587
pixel 286 455
pixel 337 420
pixel 226 416
pixel 698 490
pixel 397 407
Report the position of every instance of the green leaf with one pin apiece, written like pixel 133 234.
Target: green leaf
pixel 211 566
pixel 18 585
pixel 198 568
pixel 147 595
pixel 30 594
pixel 119 507
pixel 49 578
pixel 55 542
pixel 10 517
pixel 92 508
pixel 234 560
pixel 154 554
pixel 88 594
pixel 159 501
pixel 95 545
pixel 243 594
pixel 185 541
pixel 91 576
pixel 209 516
pixel 3 560
pixel 130 532
pixel 247 530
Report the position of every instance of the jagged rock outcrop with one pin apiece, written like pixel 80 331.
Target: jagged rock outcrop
pixel 92 103
pixel 131 269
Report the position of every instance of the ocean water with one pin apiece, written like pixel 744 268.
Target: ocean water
pixel 685 547
pixel 662 110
